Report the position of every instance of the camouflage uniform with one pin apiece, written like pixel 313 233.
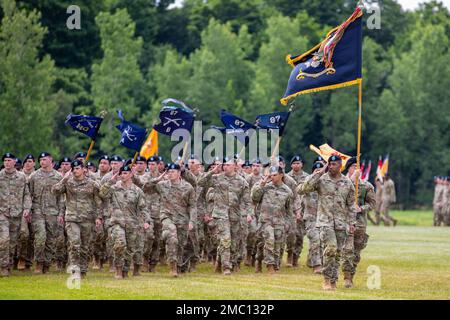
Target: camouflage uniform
pixel 231 199
pixel 358 241
pixel 14 199
pixel 300 223
pixel 275 203
pixel 439 204
pixel 46 207
pixel 387 198
pixel 211 240
pixel 25 250
pixel 177 210
pixel 128 215
pixel 83 206
pixel 335 214
pixel 252 225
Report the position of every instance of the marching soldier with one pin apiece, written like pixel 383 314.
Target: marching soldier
pixel 15 201
pixel 387 198
pixel 275 203
pixel 357 241
pixel 83 211
pixel 46 207
pixel 230 199
pixel 129 218
pixel 336 214
pixel 439 201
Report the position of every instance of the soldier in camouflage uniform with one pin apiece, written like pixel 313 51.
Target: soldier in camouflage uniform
pixel 446 201
pixel 387 198
pixel 83 211
pixel 46 207
pixel 275 202
pixel 336 214
pixel 25 248
pixel 439 201
pixel 299 176
pixel 231 198
pixel 358 241
pixel 129 220
pixel 178 213
pixel 116 163
pixel 15 201
pixel 309 210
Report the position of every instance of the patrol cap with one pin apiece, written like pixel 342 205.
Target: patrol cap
pixel 104 157
pixel 8 155
pixel 275 169
pixel 296 158
pixel 116 158
pixel 335 157
pixel 153 159
pixel 28 156
pixel 173 166
pixel 125 169
pixel 43 155
pixel 317 165
pixel 80 155
pixel 141 158
pixel 76 163
pixel 65 159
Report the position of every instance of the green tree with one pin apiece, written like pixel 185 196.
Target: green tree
pixel 26 107
pixel 117 76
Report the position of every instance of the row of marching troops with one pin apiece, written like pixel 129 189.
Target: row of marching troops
pixel 135 216
pixel 441 201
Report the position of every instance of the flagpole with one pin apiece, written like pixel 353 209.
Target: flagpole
pixel 277 144
pixel 358 149
pixel 138 152
pixel 91 147
pixel 90 150
pixel 186 145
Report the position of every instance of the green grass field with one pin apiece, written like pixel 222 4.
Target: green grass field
pixel 414 260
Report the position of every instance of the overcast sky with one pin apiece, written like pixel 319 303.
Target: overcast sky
pixel 406 4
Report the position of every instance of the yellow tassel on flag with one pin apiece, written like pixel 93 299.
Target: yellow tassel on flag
pixel 325 151
pixel 150 146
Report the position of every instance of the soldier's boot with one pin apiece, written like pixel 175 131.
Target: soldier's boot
pixel 59 267
pixel 253 260
pixel 218 267
pixel 4 272
pixel 83 274
pixel 124 274
pixel 394 221
pixel 248 258
pixel 271 269
pixel 317 270
pixel 348 280
pixel 162 261
pixel 193 266
pixel 45 268
pixel 295 261
pixel 258 268
pixel 118 274
pixel 38 269
pixel 111 265
pixel 289 260
pixel 21 265
pixel 174 270
pixel 151 268
pixel 333 285
pixel 145 266
pixel 327 285
pixel 136 270
pixel 237 267
pixel 96 265
pixel 226 272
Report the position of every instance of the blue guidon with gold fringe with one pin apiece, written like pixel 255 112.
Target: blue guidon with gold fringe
pixel 334 63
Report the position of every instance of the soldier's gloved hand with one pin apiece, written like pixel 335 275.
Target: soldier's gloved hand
pixel 27 215
pixel 61 220
pixel 191 226
pixel 146 226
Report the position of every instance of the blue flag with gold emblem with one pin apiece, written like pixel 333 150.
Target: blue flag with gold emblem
pixel 87 125
pixel 235 126
pixel 133 136
pixel 273 121
pixel 174 115
pixel 334 63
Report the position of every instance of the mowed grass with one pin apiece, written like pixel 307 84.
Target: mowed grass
pixel 414 262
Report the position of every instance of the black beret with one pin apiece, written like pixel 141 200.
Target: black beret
pixel 276 169
pixel 141 158
pixel 160 158
pixel 77 163
pixel 18 161
pixel 334 158
pixel 43 155
pixel 29 156
pixel 8 155
pixel 246 164
pixel 217 159
pixel 317 165
pixel 125 168
pixel 349 163
pixel 296 158
pixel 104 157
pixel 319 158
pixel 56 166
pixel 228 159
pixel 153 159
pixel 80 155
pixel 193 157
pixel 90 164
pixel 257 161
pixel 65 159
pixel 173 166
pixel 116 158
pixel 280 159
pixel 128 162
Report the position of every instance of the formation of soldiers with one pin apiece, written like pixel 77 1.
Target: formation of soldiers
pixel 136 216
pixel 441 201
